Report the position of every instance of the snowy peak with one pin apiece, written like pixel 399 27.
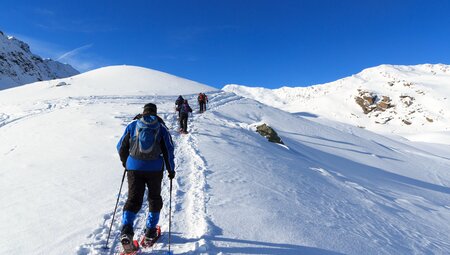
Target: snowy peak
pixel 134 80
pixel 18 65
pixel 401 71
pixel 411 101
pixel 108 81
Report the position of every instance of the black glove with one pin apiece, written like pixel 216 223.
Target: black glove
pixel 171 175
pixel 124 164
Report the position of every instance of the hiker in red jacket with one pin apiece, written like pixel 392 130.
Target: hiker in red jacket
pixel 202 100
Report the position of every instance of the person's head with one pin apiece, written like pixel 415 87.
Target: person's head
pixel 150 109
pixel 185 101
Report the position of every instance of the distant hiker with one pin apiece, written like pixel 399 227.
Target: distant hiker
pixel 202 100
pixel 184 109
pixel 206 101
pixel 145 148
pixel 178 102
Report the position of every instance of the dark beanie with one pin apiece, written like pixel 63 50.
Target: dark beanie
pixel 150 109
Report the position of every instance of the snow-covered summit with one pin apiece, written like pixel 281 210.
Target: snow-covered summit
pixel 18 65
pixel 411 101
pixel 134 80
pixel 109 81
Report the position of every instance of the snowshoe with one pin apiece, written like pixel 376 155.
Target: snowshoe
pixel 150 237
pixel 130 246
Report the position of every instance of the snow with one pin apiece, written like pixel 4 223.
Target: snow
pixel 333 188
pixel 426 88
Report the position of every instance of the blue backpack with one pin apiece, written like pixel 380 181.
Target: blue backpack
pixel 145 142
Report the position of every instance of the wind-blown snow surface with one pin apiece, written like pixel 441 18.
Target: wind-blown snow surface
pixel 333 189
pixel 419 95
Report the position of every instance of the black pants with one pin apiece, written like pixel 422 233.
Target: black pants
pixel 183 121
pixel 202 106
pixel 137 180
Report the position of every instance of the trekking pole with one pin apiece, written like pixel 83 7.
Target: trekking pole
pixel 114 214
pixel 170 213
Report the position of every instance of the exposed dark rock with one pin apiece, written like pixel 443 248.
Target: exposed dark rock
pixel 269 133
pixel 384 120
pixel 366 100
pixel 384 104
pixel 408 84
pixel 407 122
pixel 62 83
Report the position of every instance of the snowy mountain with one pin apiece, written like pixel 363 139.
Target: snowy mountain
pixel 18 65
pixel 331 188
pixel 411 101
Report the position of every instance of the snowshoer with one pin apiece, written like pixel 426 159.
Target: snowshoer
pixel 184 109
pixel 202 100
pixel 205 97
pixel 178 102
pixel 145 148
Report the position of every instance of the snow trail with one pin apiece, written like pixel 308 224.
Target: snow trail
pixel 190 222
pixel 189 218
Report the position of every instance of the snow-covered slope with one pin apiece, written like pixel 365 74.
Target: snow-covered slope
pixel 411 101
pixel 18 65
pixel 332 189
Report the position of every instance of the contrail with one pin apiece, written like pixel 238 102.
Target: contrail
pixel 74 51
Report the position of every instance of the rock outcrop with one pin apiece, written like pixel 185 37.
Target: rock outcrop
pixel 370 101
pixel 268 132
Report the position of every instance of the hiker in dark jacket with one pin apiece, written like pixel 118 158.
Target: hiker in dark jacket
pixel 205 98
pixel 184 109
pixel 144 149
pixel 178 102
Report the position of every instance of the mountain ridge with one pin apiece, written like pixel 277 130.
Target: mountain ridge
pixel 401 100
pixel 19 66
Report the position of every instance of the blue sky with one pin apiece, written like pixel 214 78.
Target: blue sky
pixel 254 43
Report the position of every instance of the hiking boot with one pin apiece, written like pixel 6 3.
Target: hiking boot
pixel 126 238
pixel 151 234
pixel 128 245
pixel 127 230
